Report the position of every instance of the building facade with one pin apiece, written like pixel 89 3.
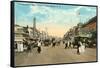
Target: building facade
pixel 21 33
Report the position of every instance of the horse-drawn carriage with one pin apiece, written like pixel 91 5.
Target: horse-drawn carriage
pixel 46 42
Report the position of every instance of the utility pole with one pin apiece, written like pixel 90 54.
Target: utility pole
pixel 79 21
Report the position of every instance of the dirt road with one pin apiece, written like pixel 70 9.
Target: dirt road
pixel 52 55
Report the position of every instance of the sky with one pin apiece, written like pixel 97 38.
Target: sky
pixel 56 19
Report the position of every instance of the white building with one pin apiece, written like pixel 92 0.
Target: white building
pixel 20 34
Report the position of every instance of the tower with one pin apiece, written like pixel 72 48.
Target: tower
pixel 34 26
pixel 34 23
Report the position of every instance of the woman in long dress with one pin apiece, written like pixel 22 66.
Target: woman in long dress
pixel 78 47
pixel 39 47
pixel 81 48
pixel 21 47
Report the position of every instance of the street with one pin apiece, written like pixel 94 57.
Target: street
pixel 53 55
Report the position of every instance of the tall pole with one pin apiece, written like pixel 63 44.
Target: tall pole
pixel 34 26
pixel 79 23
pixel 78 28
pixel 34 23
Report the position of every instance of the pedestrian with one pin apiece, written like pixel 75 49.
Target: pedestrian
pixel 71 44
pixel 21 47
pixel 54 43
pixel 15 47
pixel 81 48
pixel 66 45
pixel 78 47
pixel 28 47
pixel 39 47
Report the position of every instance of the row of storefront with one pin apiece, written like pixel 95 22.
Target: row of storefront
pixel 26 33
pixel 88 30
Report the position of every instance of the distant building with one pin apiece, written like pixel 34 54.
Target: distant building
pixel 26 33
pixel 84 30
pixel 91 24
pixel 30 30
pixel 20 33
pixel 89 27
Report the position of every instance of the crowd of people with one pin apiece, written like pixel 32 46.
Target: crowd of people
pixel 80 44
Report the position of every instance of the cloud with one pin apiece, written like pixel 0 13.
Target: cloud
pixel 53 15
pixel 91 9
pixel 56 19
pixel 78 8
